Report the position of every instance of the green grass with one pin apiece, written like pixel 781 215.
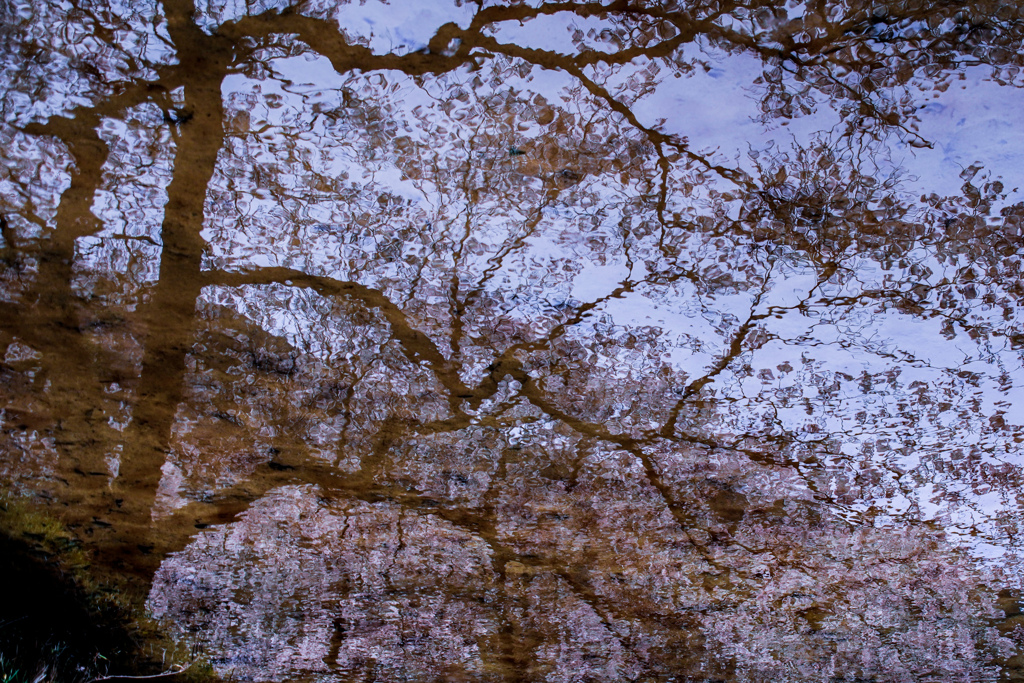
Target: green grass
pixel 50 665
pixel 9 672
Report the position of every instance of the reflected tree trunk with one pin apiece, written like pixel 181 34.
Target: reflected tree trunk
pixel 169 316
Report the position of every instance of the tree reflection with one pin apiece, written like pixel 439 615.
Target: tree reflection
pixel 474 365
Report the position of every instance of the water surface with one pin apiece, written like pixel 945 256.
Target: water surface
pixel 476 341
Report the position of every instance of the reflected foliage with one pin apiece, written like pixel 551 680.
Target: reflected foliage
pixel 525 341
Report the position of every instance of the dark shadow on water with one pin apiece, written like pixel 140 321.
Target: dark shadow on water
pixel 61 620
pixel 46 625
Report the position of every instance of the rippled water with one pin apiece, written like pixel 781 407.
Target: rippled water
pixel 451 341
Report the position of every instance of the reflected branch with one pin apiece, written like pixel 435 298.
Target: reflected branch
pixel 323 37
pixel 737 347
pixel 418 347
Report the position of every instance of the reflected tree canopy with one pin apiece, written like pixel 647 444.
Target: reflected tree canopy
pixel 526 341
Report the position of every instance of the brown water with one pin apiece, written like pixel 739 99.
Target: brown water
pixel 441 341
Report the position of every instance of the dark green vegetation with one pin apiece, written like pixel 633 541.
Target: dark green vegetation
pixel 64 621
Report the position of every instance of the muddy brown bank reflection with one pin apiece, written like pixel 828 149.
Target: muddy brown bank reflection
pixel 530 342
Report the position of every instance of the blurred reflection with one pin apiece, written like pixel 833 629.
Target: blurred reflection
pixel 526 341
